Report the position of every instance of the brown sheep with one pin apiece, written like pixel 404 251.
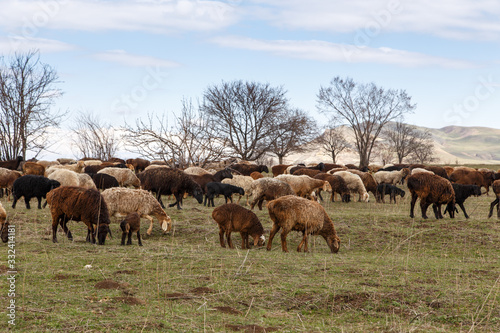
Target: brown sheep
pixel 131 224
pixel 279 169
pixel 330 166
pixel 139 164
pixel 320 166
pixel 294 213
pixel 307 172
pixel 4 225
pixel 79 204
pixel 7 179
pixel 431 189
pixel 483 178
pixel 449 170
pixel 440 171
pixel 12 164
pixel 268 189
pixel 256 175
pixel 33 168
pixel 496 190
pixel 338 186
pixel 233 217
pixel 247 169
pixel 203 180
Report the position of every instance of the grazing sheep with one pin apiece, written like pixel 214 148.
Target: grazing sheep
pixel 122 201
pixel 303 186
pixel 78 204
pixel 32 186
pixel 279 169
pixel 245 182
pixel 4 225
pixel 468 176
pixel 196 171
pixel 170 181
pixel 247 169
pixel 124 176
pixel 139 164
pixel 431 189
pixel 462 192
pixel 294 213
pixel 12 164
pixel 354 184
pixel 368 180
pixel 496 190
pixel 391 190
pixel 268 189
pixel 203 180
pixel 7 179
pixel 391 177
pixel 232 217
pixel 256 175
pixel 227 190
pixel 33 168
pixel 131 224
pixel 338 185
pixel 71 178
pixel 103 181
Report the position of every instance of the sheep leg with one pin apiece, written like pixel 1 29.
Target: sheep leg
pixel 423 207
pixel 39 202
pixel 260 204
pixel 319 195
pixel 139 237
pixel 124 235
pixel 302 242
pixel 436 211
pixel 158 197
pixel 461 204
pixel 228 236
pixel 244 240
pixel 27 202
pixel 495 202
pixel 64 225
pixel 205 201
pixel 273 232
pixel 221 237
pixel 150 229
pixel 129 239
pixel 414 198
pixel 55 223
pixel 15 201
pixel 284 248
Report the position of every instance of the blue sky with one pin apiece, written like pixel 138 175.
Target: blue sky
pixel 125 59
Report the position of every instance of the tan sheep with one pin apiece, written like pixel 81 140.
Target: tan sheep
pixel 391 177
pixel 4 225
pixel 354 184
pixel 303 185
pixel 268 189
pixel 78 167
pixel 196 171
pixel 7 178
pixel 122 201
pixel 33 168
pixel 124 176
pixel 65 177
pixel 245 182
pixel 294 213
pixel 47 164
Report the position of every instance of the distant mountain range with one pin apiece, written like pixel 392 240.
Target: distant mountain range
pixel 453 144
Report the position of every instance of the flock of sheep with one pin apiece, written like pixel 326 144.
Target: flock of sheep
pixel 133 189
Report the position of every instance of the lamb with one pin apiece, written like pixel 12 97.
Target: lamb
pixel 139 164
pixel 12 164
pixel 391 190
pixel 496 190
pixel 256 175
pixel 232 217
pixel 303 186
pixel 122 201
pixel 279 169
pixel 338 185
pixel 268 189
pixel 294 213
pixel 247 169
pixel 32 186
pixel 79 204
pixel 227 190
pixel 7 179
pixel 245 182
pixel 431 189
pixel 33 168
pixel 354 184
pixel 131 224
pixel 124 176
pixel 104 181
pixel 391 177
pixel 4 225
pixel 462 192
pixel 170 181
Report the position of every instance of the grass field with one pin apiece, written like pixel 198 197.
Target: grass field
pixel 392 274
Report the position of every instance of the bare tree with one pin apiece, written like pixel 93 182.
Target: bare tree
pixel 245 114
pixel 366 107
pixel 423 149
pixel 94 138
pixel 332 141
pixel 294 130
pixel 27 91
pixel 401 139
pixel 191 141
pixel 384 151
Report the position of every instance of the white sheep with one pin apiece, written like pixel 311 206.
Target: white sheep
pixel 391 177
pixel 71 178
pixel 92 162
pixel 124 176
pixel 78 167
pixel 154 166
pixel 123 201
pixel 245 182
pixel 197 171
pixel 303 185
pixel 354 184
pixel 420 170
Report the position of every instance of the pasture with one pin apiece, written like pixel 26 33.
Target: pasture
pixel 392 274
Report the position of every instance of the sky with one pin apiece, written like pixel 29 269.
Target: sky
pixel 123 60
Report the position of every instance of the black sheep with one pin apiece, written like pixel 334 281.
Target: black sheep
pixel 104 181
pixel 462 192
pixel 391 190
pixel 247 169
pixel 32 186
pixel 170 181
pixel 12 164
pixel 227 190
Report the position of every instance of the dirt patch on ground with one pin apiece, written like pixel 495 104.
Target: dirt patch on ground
pixel 3 269
pixel 108 284
pixel 129 300
pixel 202 291
pixel 59 277
pixel 126 271
pixel 350 300
pixel 228 310
pixel 251 328
pixel 177 296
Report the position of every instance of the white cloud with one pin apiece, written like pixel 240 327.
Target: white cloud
pixel 26 17
pixel 22 44
pixel 128 59
pixel 335 52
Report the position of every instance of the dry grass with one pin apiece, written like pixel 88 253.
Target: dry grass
pixel 392 274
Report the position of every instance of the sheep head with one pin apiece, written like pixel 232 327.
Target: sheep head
pixel 103 231
pixel 259 240
pixel 327 186
pixel 166 223
pixel 333 242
